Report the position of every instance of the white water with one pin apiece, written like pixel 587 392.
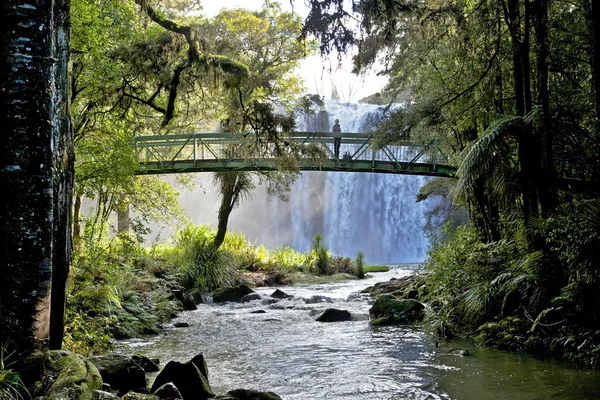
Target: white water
pixel 373 213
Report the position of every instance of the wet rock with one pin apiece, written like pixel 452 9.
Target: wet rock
pixel 258 312
pixel 168 391
pixel 334 315
pixel 250 297
pixel 231 293
pixel 120 372
pixel 189 303
pixel 139 396
pixel 181 325
pixel 318 299
pixel 280 294
pixel 103 395
pixel 148 364
pixel 268 301
pixel 249 394
pixel 388 309
pixel 459 352
pixel 190 378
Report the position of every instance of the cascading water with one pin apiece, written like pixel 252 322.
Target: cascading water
pixel 373 213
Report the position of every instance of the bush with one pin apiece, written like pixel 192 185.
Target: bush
pixel 359 266
pixel 320 255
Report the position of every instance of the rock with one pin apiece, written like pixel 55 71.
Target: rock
pixel 258 312
pixel 318 299
pixel 77 378
pixel 190 378
pixel 231 294
pixel 105 387
pixel 178 294
pixel 268 301
pixel 334 315
pixel 181 325
pixel 103 395
pixel 168 391
pixel 251 394
pixel 390 286
pixel 250 297
pixel 148 364
pixel 459 352
pixel 189 303
pixel 139 396
pixel 120 372
pixel 280 294
pixel 396 311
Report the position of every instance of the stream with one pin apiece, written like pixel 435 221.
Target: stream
pixel 280 347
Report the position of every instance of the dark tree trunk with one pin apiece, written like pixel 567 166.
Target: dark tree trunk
pixel 232 185
pixel 36 169
pixel 546 182
pixel 528 154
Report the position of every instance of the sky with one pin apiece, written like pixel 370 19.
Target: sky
pixel 320 74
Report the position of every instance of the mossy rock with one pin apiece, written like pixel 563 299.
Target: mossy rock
pixel 77 378
pixel 396 311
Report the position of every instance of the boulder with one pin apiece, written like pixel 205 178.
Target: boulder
pixel 231 293
pixel 139 396
pixel 181 325
pixel 103 395
pixel 250 297
pixel 148 364
pixel 334 315
pixel 389 309
pixel 77 378
pixel 168 391
pixel 318 299
pixel 189 303
pixel 121 372
pixel 190 378
pixel 280 294
pixel 251 394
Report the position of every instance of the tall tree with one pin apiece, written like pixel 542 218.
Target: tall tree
pixel 37 171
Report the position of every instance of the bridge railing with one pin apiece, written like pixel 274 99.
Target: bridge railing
pixel 197 147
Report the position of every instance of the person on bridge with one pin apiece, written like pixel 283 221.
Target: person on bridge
pixel 338 140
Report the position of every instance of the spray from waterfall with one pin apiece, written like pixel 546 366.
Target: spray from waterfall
pixel 373 213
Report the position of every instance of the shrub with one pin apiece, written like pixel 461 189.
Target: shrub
pixel 359 265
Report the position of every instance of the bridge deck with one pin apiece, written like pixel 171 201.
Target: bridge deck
pixel 210 152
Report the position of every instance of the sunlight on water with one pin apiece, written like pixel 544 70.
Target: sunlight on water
pixel 286 351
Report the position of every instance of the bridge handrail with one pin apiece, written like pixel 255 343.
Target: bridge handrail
pixel 210 147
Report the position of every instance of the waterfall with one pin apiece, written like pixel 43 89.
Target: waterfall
pixel 373 213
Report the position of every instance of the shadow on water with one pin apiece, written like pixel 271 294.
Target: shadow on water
pixel 283 349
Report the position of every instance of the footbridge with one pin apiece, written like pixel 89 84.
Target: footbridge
pixel 212 152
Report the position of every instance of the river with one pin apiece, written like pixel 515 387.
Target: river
pixel 281 348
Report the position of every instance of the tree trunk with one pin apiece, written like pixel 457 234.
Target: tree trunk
pixel 546 181
pixel 36 169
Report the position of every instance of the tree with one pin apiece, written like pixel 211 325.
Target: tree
pixel 37 170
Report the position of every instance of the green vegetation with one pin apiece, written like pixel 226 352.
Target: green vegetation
pixel 375 268
pixel 119 289
pixel 11 386
pixel 510 91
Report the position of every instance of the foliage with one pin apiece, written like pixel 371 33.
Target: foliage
pixel 114 292
pixel 320 255
pixel 11 386
pixel 376 268
pixel 201 264
pixel 359 265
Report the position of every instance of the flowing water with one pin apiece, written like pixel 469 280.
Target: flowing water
pixel 283 349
